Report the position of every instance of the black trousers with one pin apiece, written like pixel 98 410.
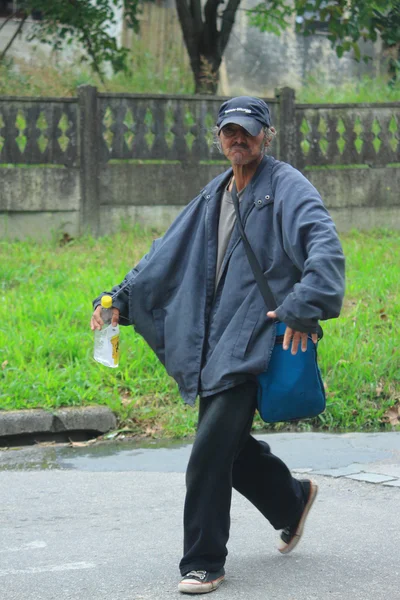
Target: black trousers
pixel 225 455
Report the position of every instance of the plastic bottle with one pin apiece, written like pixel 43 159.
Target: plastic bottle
pixel 106 339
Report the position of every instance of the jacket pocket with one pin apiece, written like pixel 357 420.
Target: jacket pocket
pixel 254 318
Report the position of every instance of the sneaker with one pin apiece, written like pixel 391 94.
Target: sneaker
pixel 201 582
pixel 291 535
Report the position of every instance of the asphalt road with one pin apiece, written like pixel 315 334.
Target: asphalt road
pixel 105 523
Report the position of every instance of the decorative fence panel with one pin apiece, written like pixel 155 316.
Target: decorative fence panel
pixel 158 127
pixel 167 142
pixel 38 131
pixel 348 134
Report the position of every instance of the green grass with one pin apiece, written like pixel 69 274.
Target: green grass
pixel 43 78
pixel 367 89
pixel 46 351
pixel 360 355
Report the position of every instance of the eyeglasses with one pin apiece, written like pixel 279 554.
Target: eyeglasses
pixel 231 130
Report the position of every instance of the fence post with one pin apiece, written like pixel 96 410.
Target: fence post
pixel 287 133
pixel 88 160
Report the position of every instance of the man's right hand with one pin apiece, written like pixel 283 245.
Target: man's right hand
pixel 96 322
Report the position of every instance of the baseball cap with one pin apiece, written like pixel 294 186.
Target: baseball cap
pixel 250 113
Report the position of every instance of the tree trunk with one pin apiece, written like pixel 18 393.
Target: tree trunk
pixel 204 42
pixel 206 75
pixel 203 85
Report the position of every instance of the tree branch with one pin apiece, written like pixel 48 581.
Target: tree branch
pixel 228 20
pixel 6 20
pixel 190 35
pixel 19 28
pixel 93 56
pixel 197 16
pixel 210 13
pixel 186 22
pixel 89 46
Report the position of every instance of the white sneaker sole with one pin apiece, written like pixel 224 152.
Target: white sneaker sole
pixel 286 548
pixel 191 586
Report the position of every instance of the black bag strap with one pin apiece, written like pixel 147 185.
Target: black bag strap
pixel 259 276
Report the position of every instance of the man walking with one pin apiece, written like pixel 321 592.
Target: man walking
pixel 194 299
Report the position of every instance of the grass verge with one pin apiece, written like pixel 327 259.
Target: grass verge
pixel 45 77
pixel 46 357
pixel 317 90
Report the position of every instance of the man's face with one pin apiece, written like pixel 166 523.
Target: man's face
pixel 239 146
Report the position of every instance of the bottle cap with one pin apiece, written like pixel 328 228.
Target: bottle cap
pixel 106 302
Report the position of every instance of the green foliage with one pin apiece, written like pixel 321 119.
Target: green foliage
pixel 272 16
pixel 87 22
pixel 348 22
pixel 46 357
pixel 388 25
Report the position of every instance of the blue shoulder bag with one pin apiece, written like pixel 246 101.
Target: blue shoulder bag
pixel 291 388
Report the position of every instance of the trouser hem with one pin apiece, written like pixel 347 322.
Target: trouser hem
pixel 197 566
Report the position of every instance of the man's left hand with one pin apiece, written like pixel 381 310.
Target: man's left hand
pixel 296 337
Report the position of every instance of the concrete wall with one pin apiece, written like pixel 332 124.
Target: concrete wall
pixel 360 198
pixel 38 202
pixel 32 51
pixel 153 195
pixel 259 62
pixel 356 198
pixel 117 171
pixel 150 195
pixel 44 202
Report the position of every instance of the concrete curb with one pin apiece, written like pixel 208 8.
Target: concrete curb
pixel 27 422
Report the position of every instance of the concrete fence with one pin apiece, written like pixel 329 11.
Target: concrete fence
pixel 91 163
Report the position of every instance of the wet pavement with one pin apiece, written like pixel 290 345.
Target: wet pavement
pixel 350 454
pixel 104 521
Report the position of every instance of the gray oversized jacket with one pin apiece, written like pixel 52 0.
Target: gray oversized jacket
pixel 210 340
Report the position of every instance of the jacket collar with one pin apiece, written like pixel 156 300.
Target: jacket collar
pixel 217 185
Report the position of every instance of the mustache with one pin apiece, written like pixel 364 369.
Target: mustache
pixel 245 146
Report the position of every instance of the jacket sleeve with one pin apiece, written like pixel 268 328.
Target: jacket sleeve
pixel 310 240
pixel 120 293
